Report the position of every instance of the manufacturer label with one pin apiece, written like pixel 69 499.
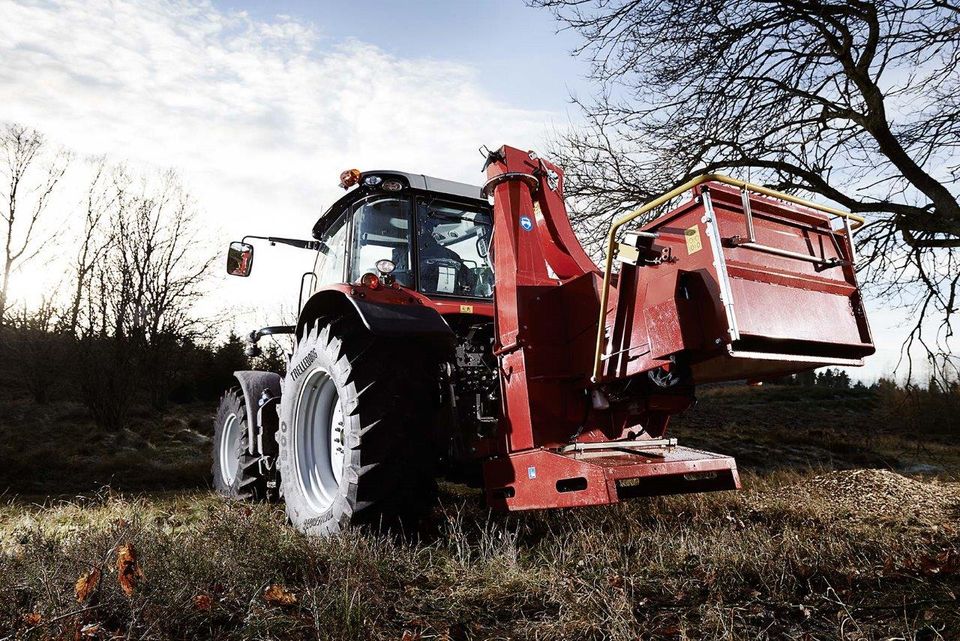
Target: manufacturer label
pixel 304 364
pixel 466 309
pixel 531 472
pixel 526 223
pixel 692 236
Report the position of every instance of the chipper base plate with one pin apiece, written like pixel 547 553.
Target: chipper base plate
pixel 540 478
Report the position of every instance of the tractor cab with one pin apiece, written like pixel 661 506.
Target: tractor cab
pixel 406 230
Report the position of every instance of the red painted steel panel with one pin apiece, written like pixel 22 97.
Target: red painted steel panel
pixel 535 479
pixel 780 312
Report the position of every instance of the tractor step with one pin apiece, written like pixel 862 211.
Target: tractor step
pixel 599 474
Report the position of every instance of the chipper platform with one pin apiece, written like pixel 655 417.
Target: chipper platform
pixel 438 335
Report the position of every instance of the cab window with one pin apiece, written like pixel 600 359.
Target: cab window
pixel 453 243
pixel 330 262
pixel 382 231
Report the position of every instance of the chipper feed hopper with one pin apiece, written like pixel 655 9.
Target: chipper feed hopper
pixel 440 335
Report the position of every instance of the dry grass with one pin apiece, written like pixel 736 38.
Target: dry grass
pixel 815 547
pixel 776 561
pixel 56 449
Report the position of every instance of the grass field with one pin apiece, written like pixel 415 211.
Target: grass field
pixel 846 528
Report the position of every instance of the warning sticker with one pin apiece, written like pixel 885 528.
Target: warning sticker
pixel 692 236
pixel 446 279
pixel 466 309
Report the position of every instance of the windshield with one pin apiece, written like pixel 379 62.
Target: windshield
pixel 453 243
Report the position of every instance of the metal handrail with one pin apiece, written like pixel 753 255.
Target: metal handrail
pixel 667 197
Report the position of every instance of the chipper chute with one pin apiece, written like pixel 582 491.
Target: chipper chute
pixel 736 282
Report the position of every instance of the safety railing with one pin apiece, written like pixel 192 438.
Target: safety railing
pixel 851 222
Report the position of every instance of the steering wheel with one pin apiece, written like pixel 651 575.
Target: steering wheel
pixel 443 262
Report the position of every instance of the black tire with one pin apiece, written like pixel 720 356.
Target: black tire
pixel 386 390
pixel 236 472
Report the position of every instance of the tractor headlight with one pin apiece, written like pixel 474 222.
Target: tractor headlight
pixel 392 185
pixel 385 266
pixel 370 280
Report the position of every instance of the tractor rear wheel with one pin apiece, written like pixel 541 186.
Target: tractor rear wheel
pixel 236 472
pixel 355 430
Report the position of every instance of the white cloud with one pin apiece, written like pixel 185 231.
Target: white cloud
pixel 260 118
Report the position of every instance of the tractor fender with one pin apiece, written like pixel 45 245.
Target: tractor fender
pixel 382 319
pixel 253 383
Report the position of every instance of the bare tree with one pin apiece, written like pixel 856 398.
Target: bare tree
pixel 94 240
pixel 857 101
pixel 154 266
pixel 139 291
pixel 29 186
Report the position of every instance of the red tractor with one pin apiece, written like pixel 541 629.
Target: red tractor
pixel 440 335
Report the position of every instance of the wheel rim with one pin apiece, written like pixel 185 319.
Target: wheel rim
pixel 318 448
pixel 229 439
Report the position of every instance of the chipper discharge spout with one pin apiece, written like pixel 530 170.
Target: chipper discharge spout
pixel 736 282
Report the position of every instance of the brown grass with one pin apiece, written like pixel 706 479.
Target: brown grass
pixel 827 541
pixel 774 561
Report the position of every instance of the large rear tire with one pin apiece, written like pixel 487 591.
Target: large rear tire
pixel 236 472
pixel 356 444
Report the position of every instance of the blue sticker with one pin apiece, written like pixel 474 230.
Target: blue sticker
pixel 526 223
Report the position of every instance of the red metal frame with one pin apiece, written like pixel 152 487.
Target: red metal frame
pixel 403 296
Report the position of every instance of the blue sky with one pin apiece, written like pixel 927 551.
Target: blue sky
pixel 517 49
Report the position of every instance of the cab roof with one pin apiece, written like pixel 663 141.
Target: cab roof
pixel 420 183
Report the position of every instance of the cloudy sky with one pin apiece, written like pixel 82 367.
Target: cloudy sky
pixel 260 105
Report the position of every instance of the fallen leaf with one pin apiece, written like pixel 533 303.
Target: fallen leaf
pixel 32 618
pixel 615 581
pixel 90 630
pixel 86 585
pixel 202 602
pixel 129 573
pixel 279 595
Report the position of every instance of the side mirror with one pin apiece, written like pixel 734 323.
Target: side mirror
pixel 240 259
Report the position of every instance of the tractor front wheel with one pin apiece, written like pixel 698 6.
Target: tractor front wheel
pixel 236 472
pixel 355 431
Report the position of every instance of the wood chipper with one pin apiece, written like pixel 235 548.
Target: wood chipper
pixel 441 336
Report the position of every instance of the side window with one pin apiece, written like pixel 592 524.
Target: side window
pixel 453 245
pixel 382 231
pixel 330 265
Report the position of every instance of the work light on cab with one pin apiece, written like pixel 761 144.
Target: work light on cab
pixel 349 178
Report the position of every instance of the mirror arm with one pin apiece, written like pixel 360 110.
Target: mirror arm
pixel 293 242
